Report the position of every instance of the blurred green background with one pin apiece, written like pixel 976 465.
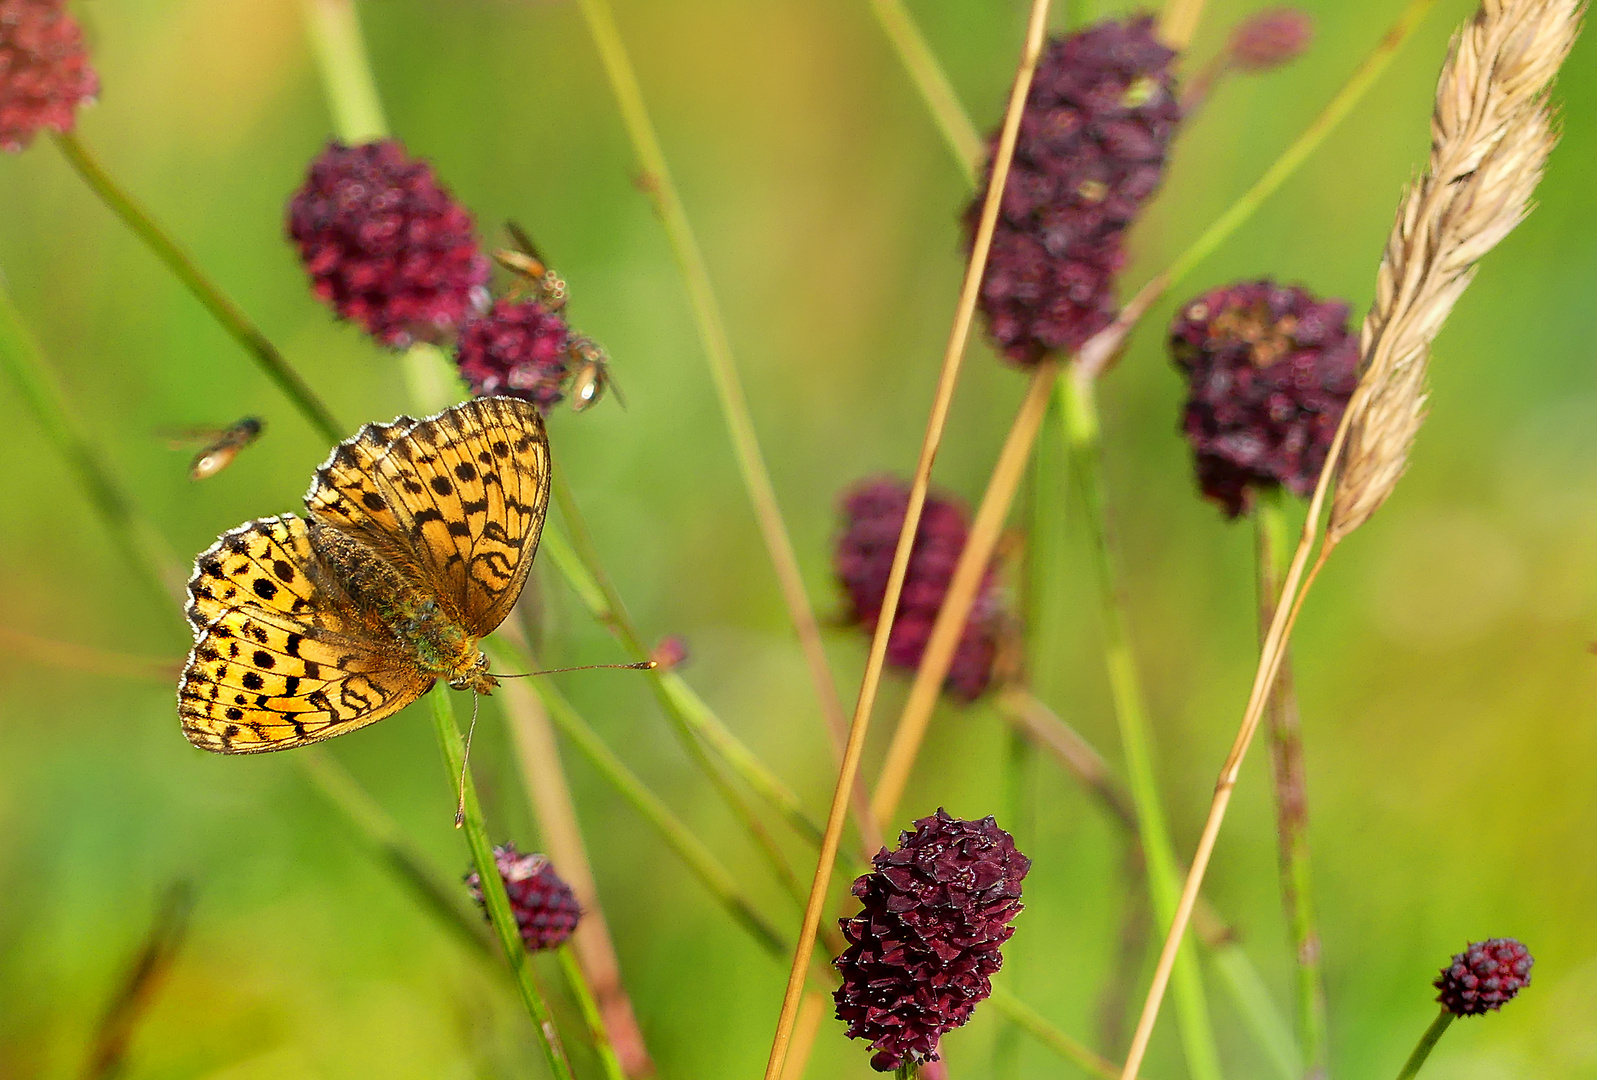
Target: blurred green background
pixel 1445 683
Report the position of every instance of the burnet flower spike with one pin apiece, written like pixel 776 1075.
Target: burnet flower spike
pixel 1091 150
pixel 1269 371
pixel 386 245
pixel 873 513
pixel 934 916
pixel 45 75
pixel 545 908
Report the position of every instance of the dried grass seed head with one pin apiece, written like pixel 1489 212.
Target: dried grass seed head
pixel 1491 133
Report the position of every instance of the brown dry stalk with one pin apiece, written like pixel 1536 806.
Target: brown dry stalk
pixel 1179 21
pixel 1491 134
pixel 974 559
pixel 948 376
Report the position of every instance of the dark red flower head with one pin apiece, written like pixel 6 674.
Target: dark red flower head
pixel 922 950
pixel 873 513
pixel 544 906
pixel 519 348
pixel 1484 977
pixel 385 243
pixel 1097 124
pixel 1269 371
pixel 44 70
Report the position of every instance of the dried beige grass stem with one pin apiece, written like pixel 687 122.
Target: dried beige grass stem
pixel 1491 134
pixel 1490 137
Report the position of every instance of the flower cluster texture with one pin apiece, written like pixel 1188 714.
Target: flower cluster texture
pixel 873 514
pixel 1091 150
pixel 1269 371
pixel 385 244
pixel 545 908
pixel 519 348
pixel 921 953
pixel 44 71
pixel 1484 977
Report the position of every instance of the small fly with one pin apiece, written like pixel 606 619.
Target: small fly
pixel 219 445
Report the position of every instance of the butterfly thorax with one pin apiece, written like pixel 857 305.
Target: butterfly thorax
pixel 443 648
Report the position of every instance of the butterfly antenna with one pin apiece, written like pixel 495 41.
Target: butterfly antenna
pixel 641 665
pixel 460 807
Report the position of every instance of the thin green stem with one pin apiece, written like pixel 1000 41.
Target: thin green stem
pixel 667 203
pixel 133 535
pixel 334 29
pixel 931 82
pixel 1427 1043
pixel 493 885
pixel 1037 1026
pixel 1294 155
pixel 713 769
pixel 1273 552
pixel 389 845
pixel 578 561
pixel 1084 445
pixel 222 308
pixel 688 847
pixel 577 983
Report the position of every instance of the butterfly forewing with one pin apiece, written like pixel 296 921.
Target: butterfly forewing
pixel 280 658
pixel 460 496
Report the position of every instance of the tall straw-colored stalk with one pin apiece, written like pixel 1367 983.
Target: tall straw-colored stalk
pixel 1291 795
pixel 953 357
pixel 1491 133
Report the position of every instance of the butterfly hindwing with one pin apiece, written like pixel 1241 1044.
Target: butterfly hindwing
pixel 260 680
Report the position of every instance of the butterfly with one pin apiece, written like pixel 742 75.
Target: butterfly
pixel 220 445
pixel 416 543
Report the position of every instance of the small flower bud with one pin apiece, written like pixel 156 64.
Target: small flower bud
pixel 545 908
pixel 1271 38
pixel 1484 977
pixel 520 348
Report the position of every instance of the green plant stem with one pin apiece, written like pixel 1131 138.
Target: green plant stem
pixel 661 190
pixel 1340 105
pixel 1427 1043
pixel 156 564
pixel 132 534
pixel 688 847
pixel 492 884
pixel 1085 448
pixel 340 50
pixel 389 845
pixel 577 983
pixel 931 82
pixel 1273 552
pixel 578 561
pixel 222 308
pixel 1034 1024
pixel 1238 974
pixel 713 769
